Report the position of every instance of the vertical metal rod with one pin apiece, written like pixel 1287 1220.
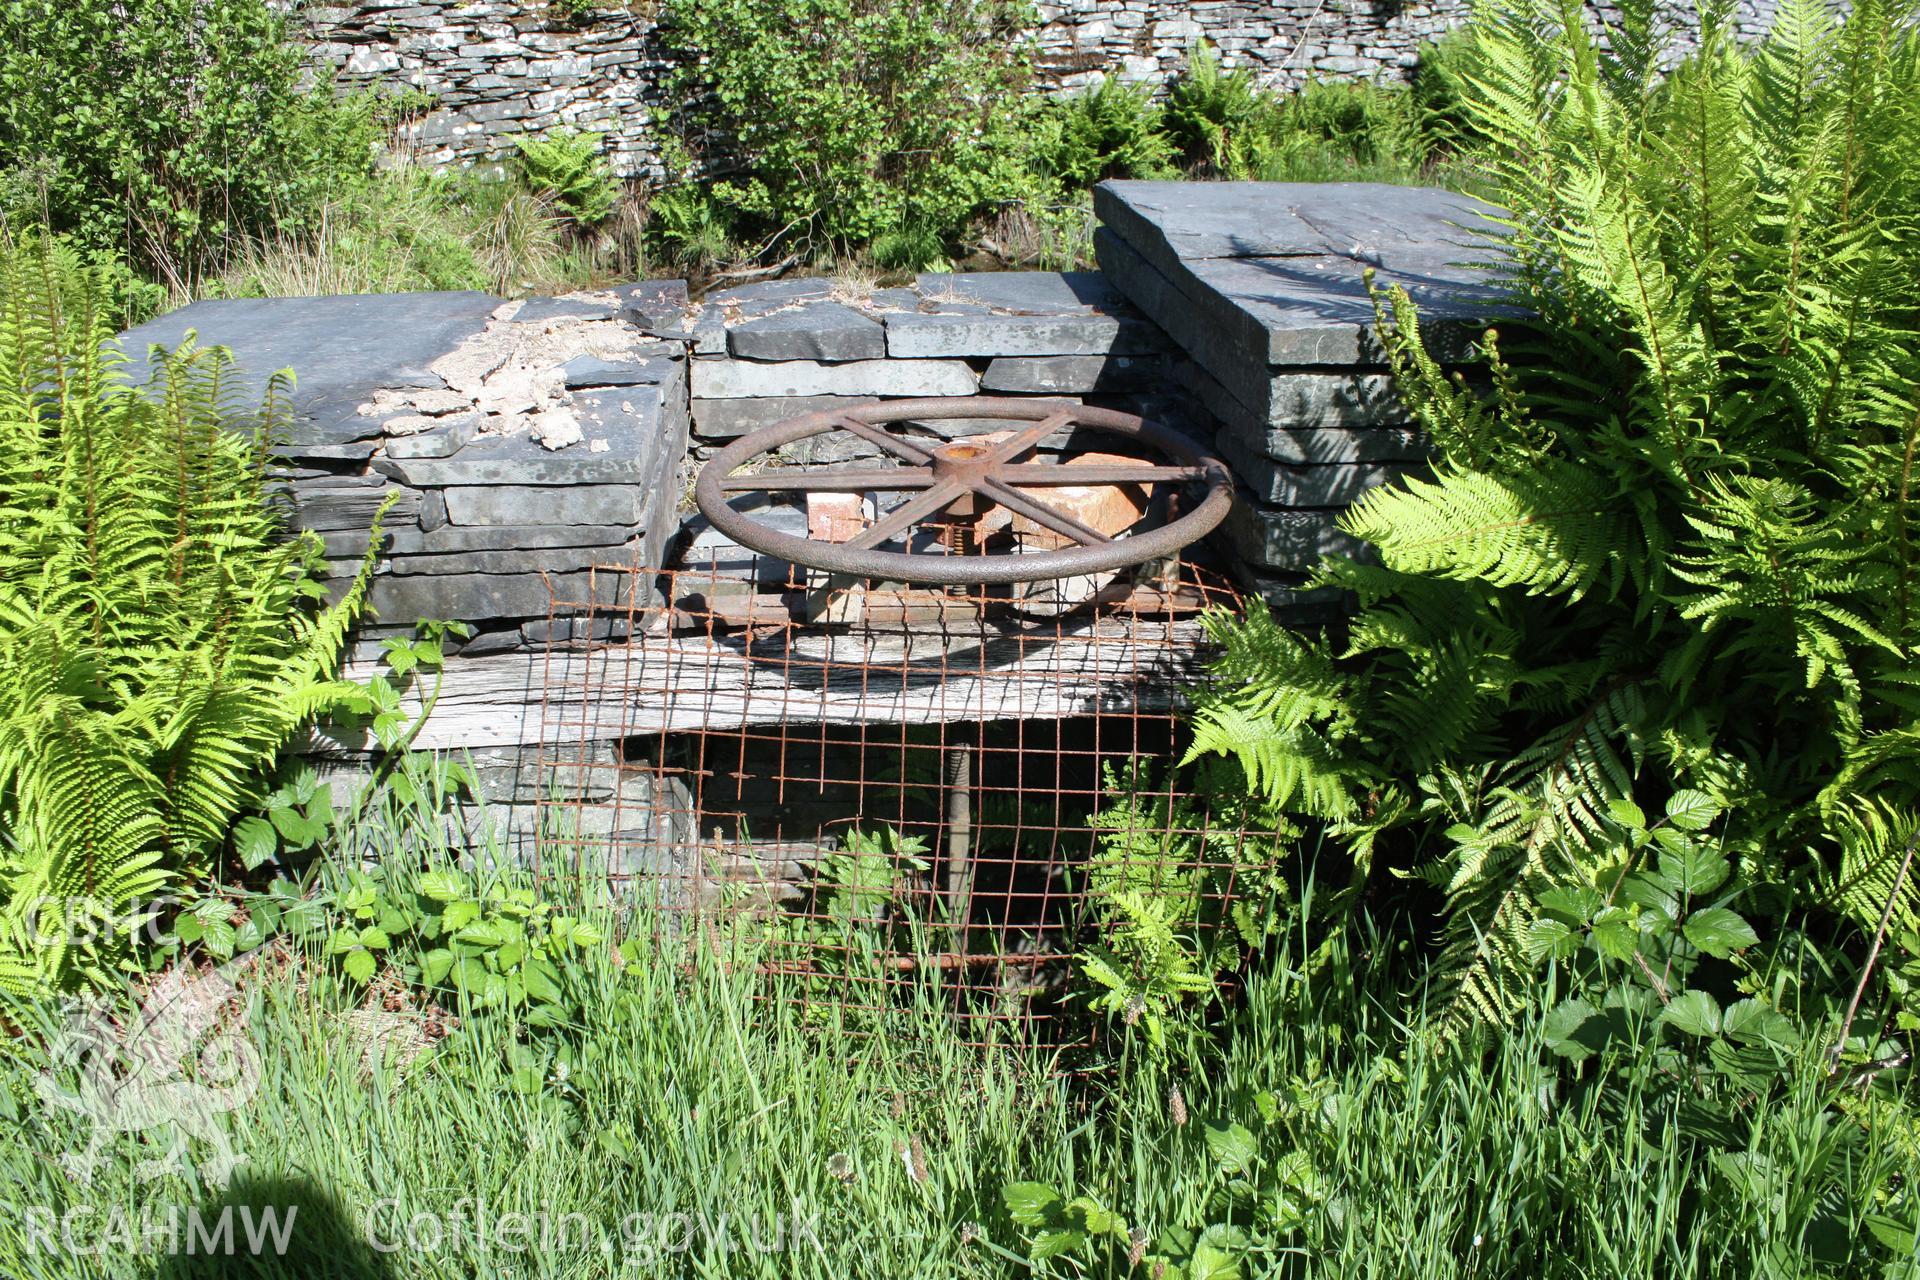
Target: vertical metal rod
pixel 959 780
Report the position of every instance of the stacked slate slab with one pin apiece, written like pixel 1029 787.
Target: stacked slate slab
pixel 767 351
pixel 488 520
pixel 1262 286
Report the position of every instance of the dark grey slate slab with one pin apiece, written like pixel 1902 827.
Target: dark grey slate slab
pixel 645 302
pixel 1309 398
pixel 818 330
pixel 627 418
pixel 589 504
pixel 402 543
pixel 334 507
pixel 1024 292
pixel 493 640
pixel 523 560
pixel 540 310
pixel 1238 318
pixel 1074 375
pixel 341 349
pixel 486 597
pixel 652 302
pixel 893 299
pixel 736 379
pixel 543 631
pixel 1313 485
pixel 1316 311
pixel 1294 603
pixel 1316 445
pixel 1414 229
pixel 592 371
pixel 1289 540
pixel 726 419
pixel 914 334
pixel 764 295
pixel 1207 345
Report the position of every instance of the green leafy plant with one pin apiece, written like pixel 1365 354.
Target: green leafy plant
pixel 1667 554
pixel 568 166
pixel 490 941
pixel 1113 130
pixel 689 225
pixel 160 636
pixel 1172 895
pixel 164 128
pixel 1222 124
pixel 1209 108
pixel 1251 1194
pixel 841 120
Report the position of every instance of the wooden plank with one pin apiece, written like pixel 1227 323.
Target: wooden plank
pixel 683 683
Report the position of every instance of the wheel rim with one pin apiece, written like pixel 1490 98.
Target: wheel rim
pixel 941 474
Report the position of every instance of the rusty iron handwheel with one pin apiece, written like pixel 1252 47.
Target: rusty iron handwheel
pixel 942 474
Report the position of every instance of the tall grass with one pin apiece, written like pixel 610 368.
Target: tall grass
pixel 408 229
pixel 689 1085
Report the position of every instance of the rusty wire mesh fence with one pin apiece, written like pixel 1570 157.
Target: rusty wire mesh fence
pixel 872 781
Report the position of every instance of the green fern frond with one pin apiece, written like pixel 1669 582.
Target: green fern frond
pixel 1559 530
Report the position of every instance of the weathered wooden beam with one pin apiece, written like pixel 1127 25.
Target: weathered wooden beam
pixel 662 683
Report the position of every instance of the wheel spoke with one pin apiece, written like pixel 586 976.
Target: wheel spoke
pixel 818 481
pixel 905 516
pixel 1008 450
pixel 1042 514
pixel 1047 473
pixel 883 439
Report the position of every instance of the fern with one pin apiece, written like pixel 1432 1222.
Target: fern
pixel 1672 549
pixel 158 637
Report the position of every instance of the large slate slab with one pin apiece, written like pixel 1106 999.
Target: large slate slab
pixel 1331 485
pixel 1412 229
pixel 726 419
pixel 1312 445
pixel 645 302
pixel 729 379
pixel 1298 399
pixel 341 349
pixel 1023 292
pixel 349 505
pixel 592 371
pixel 1207 346
pixel 523 560
pixel 587 504
pixel 1288 540
pixel 485 597
pixel 1071 375
pixel 1240 318
pixel 449 539
pixel 817 330
pixel 1245 275
pixel 912 334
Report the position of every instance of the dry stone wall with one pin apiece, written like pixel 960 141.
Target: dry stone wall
pixel 499 68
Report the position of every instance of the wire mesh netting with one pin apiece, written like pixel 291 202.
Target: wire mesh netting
pixel 877 780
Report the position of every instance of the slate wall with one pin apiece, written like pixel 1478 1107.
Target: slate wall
pixel 499 68
pixel 1263 287
pixel 511 445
